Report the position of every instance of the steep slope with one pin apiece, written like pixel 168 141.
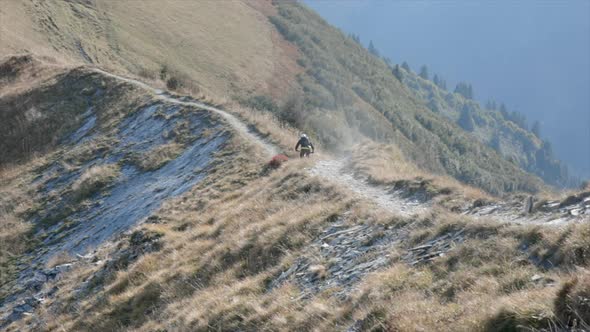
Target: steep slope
pixel 346 87
pixel 125 207
pixel 217 47
pixel 149 213
pixel 107 154
pixel 323 81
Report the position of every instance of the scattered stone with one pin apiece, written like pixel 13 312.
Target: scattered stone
pixel 529 204
pixel 85 257
pixel 89 91
pixel 571 209
pixel 64 267
pixel 479 203
pixel 432 249
pixel 340 257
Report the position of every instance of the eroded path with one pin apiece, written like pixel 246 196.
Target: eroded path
pixel 335 171
pixel 238 125
pixel 553 213
pixel 386 198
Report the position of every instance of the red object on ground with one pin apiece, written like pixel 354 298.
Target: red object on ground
pixel 277 160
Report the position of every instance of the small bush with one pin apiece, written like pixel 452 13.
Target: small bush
pixel 176 80
pixel 572 305
pixel 173 83
pixel 94 179
pixel 277 161
pixel 158 156
pixel 147 73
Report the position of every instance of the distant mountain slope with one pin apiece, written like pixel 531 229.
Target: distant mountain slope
pixel 491 127
pixel 347 87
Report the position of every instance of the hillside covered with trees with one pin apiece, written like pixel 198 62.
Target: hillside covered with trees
pixel 347 92
pixel 505 131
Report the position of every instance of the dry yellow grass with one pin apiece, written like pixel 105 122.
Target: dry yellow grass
pixel 17 197
pixel 32 71
pixel 19 34
pixel 283 136
pixel 386 164
pixel 220 47
pixel 383 163
pixel 237 230
pixel 159 156
pixel 94 179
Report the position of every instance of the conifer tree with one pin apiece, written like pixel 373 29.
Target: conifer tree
pixel 491 105
pixel 436 80
pixel 406 66
pixel 466 119
pixel 424 72
pixel 464 89
pixel 504 111
pixel 372 49
pixel 397 73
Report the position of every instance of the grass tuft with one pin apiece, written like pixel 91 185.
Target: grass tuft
pixel 158 156
pixel 95 179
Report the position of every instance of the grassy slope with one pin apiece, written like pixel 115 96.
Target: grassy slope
pixel 231 48
pixel 490 127
pixel 220 47
pixel 33 119
pixel 346 87
pixel 222 243
pixel 208 275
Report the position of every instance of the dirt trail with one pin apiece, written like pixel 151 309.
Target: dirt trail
pixel 238 125
pixel 333 170
pixel 386 198
pixel 550 213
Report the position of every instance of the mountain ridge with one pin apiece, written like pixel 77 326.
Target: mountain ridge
pixel 139 195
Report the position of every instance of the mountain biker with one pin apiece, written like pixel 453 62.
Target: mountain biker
pixel 306 146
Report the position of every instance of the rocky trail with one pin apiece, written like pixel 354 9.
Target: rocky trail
pixel 552 213
pixel 389 199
